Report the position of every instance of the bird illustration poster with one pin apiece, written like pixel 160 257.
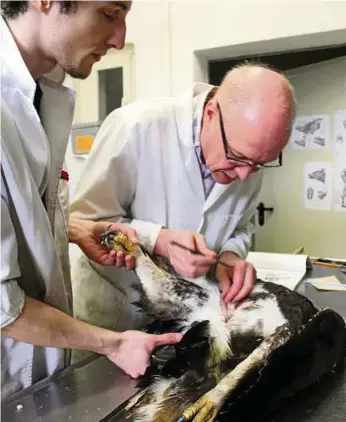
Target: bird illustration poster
pixel 311 132
pixel 318 185
pixel 339 133
pixel 339 187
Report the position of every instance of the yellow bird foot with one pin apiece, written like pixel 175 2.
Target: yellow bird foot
pixel 118 242
pixel 204 410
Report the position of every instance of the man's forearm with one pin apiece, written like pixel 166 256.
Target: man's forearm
pixel 43 325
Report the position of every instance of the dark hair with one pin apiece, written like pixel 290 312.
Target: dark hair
pixel 12 9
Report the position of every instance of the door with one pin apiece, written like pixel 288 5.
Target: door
pixel 110 85
pixel 298 218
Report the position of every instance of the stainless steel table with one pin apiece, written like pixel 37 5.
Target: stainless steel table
pixel 94 390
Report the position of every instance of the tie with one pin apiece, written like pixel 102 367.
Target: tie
pixel 208 181
pixel 37 105
pixel 37 99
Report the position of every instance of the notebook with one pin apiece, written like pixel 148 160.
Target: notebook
pixel 284 269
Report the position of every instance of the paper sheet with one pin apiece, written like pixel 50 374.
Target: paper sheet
pixel 284 269
pixel 289 279
pixel 339 133
pixel 278 261
pixel 311 132
pixel 318 184
pixel 327 283
pixel 339 186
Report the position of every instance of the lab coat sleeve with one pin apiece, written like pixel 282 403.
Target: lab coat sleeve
pixel 240 241
pixel 108 181
pixel 12 296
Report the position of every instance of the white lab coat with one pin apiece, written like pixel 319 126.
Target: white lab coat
pixel 143 169
pixel 34 255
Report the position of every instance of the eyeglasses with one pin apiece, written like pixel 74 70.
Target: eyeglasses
pixel 239 161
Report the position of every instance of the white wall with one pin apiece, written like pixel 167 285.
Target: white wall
pixel 148 30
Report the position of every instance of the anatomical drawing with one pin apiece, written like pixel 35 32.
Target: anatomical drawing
pixel 343 191
pixel 318 185
pixel 321 194
pixel 339 132
pixel 301 142
pixel 310 132
pixel 310 127
pixel 319 141
pixel 339 139
pixel 318 175
pixel 310 193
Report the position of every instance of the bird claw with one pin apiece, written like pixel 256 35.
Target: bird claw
pixel 107 235
pixel 204 410
pixel 118 242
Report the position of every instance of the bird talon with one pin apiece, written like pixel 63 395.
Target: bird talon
pixel 118 242
pixel 203 410
pixel 104 237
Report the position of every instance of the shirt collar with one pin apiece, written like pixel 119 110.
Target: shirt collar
pixel 197 114
pixel 14 71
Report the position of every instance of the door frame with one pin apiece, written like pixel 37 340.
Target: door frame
pixel 303 42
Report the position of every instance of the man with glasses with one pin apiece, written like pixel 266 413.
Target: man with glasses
pixel 183 171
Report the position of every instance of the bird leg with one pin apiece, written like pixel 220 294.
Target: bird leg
pixel 166 295
pixel 162 295
pixel 208 406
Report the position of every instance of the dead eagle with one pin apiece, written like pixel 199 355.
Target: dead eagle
pixel 235 362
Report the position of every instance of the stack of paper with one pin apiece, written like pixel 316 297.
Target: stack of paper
pixel 285 269
pixel 327 283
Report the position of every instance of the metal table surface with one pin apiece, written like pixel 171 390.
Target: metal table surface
pixel 95 390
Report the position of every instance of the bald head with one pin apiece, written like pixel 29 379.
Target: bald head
pixel 258 108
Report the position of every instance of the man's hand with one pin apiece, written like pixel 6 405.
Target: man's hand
pixel 133 349
pixel 184 262
pixel 236 282
pixel 86 234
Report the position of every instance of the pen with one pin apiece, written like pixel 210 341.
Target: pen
pixel 174 243
pixel 330 260
pixel 327 264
